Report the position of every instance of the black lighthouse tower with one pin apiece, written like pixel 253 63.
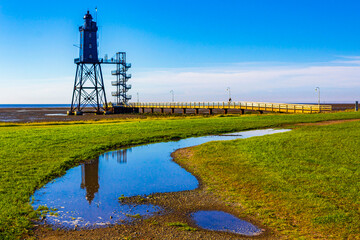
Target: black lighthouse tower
pixel 89 92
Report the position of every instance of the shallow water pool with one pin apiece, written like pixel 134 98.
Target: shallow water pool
pixel 87 195
pixel 222 221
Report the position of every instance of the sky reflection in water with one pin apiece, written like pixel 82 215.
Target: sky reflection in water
pixel 222 221
pixel 87 195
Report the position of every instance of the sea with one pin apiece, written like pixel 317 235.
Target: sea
pixel 34 105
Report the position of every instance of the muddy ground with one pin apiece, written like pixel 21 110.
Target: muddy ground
pixel 25 115
pixel 178 207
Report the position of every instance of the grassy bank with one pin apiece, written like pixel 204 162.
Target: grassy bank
pixel 33 154
pixel 304 183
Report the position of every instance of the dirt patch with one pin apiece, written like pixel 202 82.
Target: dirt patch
pixel 323 123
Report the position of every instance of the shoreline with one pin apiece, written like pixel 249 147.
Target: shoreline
pixel 58 114
pixel 29 115
pixel 177 207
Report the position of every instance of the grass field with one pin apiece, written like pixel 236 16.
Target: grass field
pixel 304 183
pixel 33 154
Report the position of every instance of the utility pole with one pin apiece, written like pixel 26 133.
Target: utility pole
pixel 317 89
pixel 228 90
pixel 172 94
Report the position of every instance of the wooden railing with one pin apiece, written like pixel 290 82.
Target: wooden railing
pixel 255 106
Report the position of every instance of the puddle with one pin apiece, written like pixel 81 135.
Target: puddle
pixel 56 114
pixel 9 120
pixel 87 195
pixel 222 221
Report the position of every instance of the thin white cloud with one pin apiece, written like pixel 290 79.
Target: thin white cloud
pixel 269 82
pixel 289 83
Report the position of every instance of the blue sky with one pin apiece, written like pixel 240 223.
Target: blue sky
pixel 264 50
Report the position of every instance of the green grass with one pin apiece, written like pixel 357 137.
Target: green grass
pixel 304 183
pixel 138 216
pixel 33 154
pixel 182 226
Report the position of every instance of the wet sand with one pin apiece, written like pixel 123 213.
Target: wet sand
pixel 26 115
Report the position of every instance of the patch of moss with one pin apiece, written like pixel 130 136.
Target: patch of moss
pixel 181 226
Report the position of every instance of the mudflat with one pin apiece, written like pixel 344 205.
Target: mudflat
pixel 25 115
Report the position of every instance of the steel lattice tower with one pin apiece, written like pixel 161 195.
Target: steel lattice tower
pixel 89 90
pixel 122 78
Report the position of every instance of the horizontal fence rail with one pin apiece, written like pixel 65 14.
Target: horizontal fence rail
pixel 254 106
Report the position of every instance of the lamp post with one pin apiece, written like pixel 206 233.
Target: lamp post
pixel 172 95
pixel 317 89
pixel 137 96
pixel 228 90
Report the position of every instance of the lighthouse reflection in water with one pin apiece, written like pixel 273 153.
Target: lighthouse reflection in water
pixel 90 172
pixel 93 201
pixel 90 179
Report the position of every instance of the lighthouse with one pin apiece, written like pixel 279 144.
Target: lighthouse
pixel 88 40
pixel 89 91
